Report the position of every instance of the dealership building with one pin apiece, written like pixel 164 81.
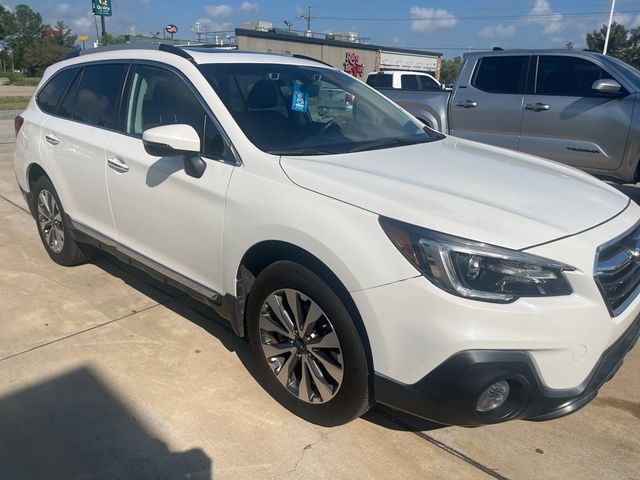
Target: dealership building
pixel 344 51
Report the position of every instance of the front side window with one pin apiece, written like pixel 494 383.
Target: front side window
pixel 99 94
pixel 567 76
pixel 501 74
pixel 49 97
pixel 306 110
pixel 429 84
pixel 160 97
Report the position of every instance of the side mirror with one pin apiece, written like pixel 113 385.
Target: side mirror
pixel 176 141
pixel 607 86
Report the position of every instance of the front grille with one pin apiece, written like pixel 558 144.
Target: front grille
pixel 617 271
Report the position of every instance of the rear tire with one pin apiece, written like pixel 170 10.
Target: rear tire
pixel 308 353
pixel 52 223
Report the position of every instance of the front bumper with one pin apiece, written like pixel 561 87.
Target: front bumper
pixel 449 393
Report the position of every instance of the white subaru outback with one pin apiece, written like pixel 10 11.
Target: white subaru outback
pixel 366 258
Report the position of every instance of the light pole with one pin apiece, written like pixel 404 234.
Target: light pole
pixel 606 40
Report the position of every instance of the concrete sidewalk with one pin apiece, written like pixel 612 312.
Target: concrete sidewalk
pixel 105 373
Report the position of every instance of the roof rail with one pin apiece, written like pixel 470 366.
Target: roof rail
pixel 306 57
pixel 162 47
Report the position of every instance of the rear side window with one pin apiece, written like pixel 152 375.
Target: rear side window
pixel 49 97
pixel 99 94
pixel 501 74
pixel 409 82
pixel 380 80
pixel 69 102
pixel 567 76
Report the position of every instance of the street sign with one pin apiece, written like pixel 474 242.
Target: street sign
pixel 101 7
pixel 82 38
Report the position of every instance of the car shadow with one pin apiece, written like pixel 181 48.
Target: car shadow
pixel 75 426
pixel 207 319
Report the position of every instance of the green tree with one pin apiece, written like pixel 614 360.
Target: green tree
pixel 23 30
pixel 7 21
pixel 109 39
pixel 623 44
pixel 42 53
pixel 449 70
pixel 63 35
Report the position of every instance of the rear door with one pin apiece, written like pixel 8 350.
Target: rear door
pixel 489 108
pixel 565 120
pixel 75 141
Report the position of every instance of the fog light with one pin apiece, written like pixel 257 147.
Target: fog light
pixel 493 397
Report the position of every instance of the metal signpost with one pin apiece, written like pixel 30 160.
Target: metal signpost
pixel 103 9
pixel 171 30
pixel 83 38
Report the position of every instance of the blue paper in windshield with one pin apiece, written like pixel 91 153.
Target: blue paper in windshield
pixel 300 100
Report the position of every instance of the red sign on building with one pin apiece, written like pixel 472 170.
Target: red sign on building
pixel 352 64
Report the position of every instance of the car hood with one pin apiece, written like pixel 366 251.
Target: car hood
pixel 464 188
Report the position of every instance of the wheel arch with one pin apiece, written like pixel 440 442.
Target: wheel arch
pixel 265 253
pixel 35 171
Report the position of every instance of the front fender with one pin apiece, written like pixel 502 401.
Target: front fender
pixel 347 239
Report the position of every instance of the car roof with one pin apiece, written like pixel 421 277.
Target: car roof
pixel 197 54
pixel 542 51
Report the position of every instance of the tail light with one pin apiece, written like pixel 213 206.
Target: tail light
pixel 18 122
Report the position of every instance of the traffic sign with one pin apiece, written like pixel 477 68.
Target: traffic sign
pixel 171 29
pixel 101 7
pixel 82 38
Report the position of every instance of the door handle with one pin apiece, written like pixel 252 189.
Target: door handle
pixel 52 140
pixel 467 104
pixel 118 165
pixel 537 107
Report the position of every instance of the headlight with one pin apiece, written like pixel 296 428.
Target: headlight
pixel 477 270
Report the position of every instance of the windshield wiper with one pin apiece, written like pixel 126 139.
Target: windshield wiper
pixel 386 143
pixel 303 152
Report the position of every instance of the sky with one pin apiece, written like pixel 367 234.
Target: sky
pixel 448 26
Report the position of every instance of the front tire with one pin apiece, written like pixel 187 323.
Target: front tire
pixel 53 227
pixel 308 353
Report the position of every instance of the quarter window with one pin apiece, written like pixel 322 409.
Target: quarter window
pixel 503 74
pixel 49 97
pixel 99 95
pixel 567 76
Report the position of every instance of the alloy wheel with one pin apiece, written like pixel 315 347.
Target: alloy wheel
pixel 50 221
pixel 301 346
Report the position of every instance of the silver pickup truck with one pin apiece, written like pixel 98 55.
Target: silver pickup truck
pixel 576 107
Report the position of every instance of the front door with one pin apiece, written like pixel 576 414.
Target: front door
pixel 565 120
pixel 163 217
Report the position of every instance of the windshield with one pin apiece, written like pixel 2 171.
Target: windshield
pixel 296 110
pixel 632 74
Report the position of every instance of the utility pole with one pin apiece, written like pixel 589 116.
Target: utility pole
pixel 308 18
pixel 606 40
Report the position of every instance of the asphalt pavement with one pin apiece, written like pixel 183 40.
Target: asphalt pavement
pixel 105 373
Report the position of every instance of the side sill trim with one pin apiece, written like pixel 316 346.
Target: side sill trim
pixel 107 243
